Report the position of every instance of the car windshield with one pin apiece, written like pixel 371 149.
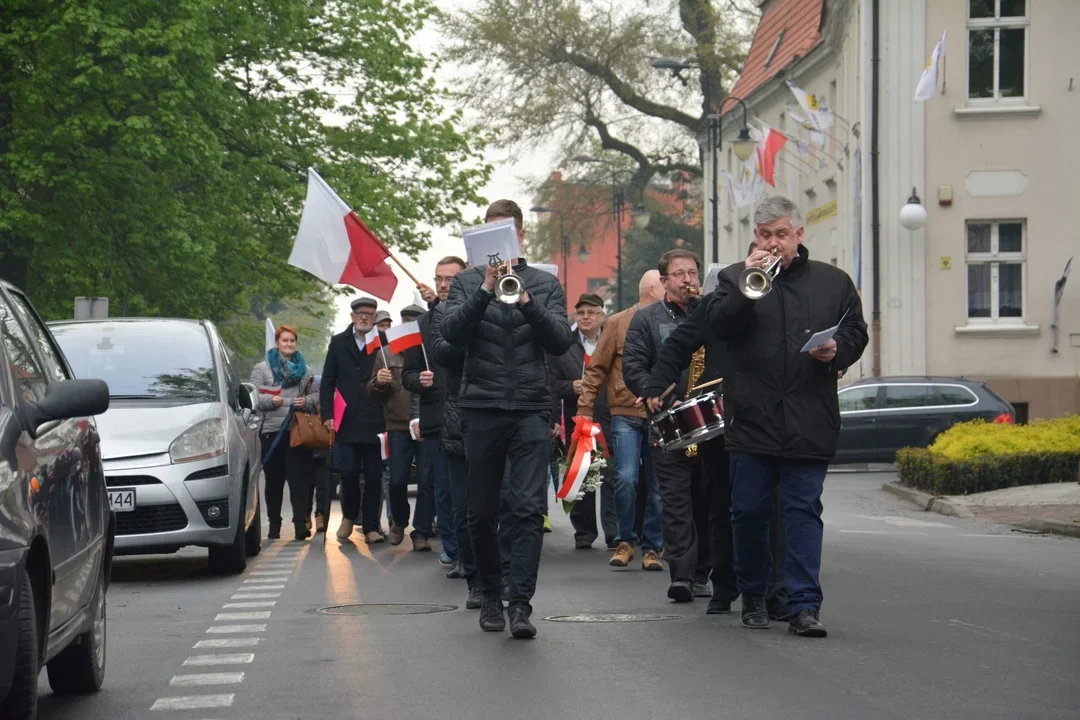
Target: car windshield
pixel 142 360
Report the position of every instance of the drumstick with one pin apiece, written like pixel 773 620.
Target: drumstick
pixel 667 392
pixel 709 384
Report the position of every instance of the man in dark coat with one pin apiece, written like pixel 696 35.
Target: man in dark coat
pixel 506 402
pixel 347 369
pixel 783 417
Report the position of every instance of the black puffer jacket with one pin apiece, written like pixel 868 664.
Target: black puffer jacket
pixel 648 330
pixel 452 360
pixel 431 399
pixel 679 348
pixel 778 400
pixel 505 346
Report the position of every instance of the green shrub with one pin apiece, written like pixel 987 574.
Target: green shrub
pixel 979 438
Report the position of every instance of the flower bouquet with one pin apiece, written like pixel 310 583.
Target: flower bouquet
pixel 581 471
pixel 590 484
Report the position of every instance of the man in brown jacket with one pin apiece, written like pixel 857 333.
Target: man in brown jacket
pixel 629 441
pixel 386 386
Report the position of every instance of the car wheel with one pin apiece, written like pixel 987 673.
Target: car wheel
pixel 21 701
pixel 80 668
pixel 231 559
pixel 253 539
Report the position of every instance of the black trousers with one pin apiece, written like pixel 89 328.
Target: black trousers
pixel 717 468
pixel 352 461
pixel 456 467
pixel 491 437
pixel 583 516
pixel 287 464
pixel 701 493
pixel 679 477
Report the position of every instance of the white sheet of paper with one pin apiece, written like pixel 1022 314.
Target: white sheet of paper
pixel 491 243
pixel 553 269
pixel 712 278
pixel 820 338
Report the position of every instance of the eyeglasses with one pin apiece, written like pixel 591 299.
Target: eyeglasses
pixel 684 275
pixel 364 313
pixel 590 313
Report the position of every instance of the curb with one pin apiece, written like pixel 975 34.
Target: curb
pixel 1053 526
pixel 926 501
pixel 944 507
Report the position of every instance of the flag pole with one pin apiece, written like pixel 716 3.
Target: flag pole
pixel 427 366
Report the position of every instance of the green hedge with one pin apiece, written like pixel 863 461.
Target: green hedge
pixel 926 470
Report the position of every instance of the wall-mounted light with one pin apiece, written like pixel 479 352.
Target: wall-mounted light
pixel 913 214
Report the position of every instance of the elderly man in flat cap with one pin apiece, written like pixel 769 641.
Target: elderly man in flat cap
pixel 347 369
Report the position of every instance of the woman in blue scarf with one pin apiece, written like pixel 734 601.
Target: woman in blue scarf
pixel 284 381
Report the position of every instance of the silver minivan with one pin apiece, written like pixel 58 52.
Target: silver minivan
pixel 179 440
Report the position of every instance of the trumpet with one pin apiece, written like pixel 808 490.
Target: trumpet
pixel 756 283
pixel 508 288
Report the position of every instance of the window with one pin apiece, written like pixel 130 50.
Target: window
pixel 997 49
pixel 955 395
pixel 995 271
pixel 863 397
pixel 54 364
pixel 29 377
pixel 909 396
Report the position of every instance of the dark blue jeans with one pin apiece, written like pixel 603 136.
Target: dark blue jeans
pixel 432 471
pixel 403 449
pixel 799 483
pixel 631 449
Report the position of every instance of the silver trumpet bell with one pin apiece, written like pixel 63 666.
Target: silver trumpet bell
pixel 508 288
pixel 756 283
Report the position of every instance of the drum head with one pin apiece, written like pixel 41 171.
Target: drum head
pixel 696 437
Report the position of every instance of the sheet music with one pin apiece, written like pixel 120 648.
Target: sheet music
pixel 490 243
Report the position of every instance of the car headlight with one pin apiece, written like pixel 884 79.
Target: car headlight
pixel 203 440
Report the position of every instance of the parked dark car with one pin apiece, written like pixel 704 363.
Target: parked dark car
pixel 56 526
pixel 879 416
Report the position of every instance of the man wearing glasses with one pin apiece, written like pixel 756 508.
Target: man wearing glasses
pixel 356 450
pixel 685 502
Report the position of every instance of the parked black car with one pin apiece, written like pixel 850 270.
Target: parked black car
pixel 56 527
pixel 879 416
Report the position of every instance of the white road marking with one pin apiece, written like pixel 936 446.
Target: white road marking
pixel 902 521
pixel 276 585
pixel 227 643
pixel 269 573
pixel 226 659
pixel 261 604
pixel 223 629
pixel 880 532
pixel 255 615
pixel 255 596
pixel 207 679
pixel 263 581
pixel 194 702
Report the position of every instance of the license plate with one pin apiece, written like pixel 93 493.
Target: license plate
pixel 122 500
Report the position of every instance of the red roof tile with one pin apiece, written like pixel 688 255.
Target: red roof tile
pixel 800 21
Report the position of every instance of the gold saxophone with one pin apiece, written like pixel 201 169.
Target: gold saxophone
pixel 697 367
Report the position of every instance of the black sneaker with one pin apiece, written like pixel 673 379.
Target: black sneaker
pixel 520 627
pixel 718 606
pixel 456 571
pixel 275 532
pixel 681 591
pixel 702 590
pixel 475 601
pixel 806 624
pixel 754 613
pixel 492 618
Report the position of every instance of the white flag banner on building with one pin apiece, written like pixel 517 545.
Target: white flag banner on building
pixel 820 116
pixel 927 87
pixel 816 136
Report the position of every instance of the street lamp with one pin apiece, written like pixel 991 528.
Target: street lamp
pixel 640 219
pixel 913 214
pixel 583 255
pixel 563 239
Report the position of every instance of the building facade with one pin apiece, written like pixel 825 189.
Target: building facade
pixel 972 293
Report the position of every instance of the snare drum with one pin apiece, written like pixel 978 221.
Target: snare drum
pixel 690 422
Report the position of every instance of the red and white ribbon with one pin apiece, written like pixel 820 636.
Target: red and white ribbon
pixel 585 440
pixel 384 445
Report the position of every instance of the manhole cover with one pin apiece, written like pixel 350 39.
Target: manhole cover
pixel 611 618
pixel 385 609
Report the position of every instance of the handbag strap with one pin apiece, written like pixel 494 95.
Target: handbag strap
pixel 280 433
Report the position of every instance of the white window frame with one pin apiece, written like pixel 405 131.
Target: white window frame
pixel 994 258
pixel 998 23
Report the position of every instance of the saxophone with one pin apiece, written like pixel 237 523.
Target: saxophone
pixel 697 367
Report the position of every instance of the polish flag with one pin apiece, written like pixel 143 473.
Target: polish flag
pixel 339 409
pixel 384 446
pixel 767 149
pixel 334 245
pixel 401 337
pixel 271 339
pixel 267 390
pixel 373 341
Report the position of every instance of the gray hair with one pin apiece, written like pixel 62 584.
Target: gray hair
pixel 775 208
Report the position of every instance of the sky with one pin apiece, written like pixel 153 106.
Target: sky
pixel 509 180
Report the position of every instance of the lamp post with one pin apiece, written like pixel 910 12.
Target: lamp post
pixel 744 146
pixel 639 217
pixel 563 240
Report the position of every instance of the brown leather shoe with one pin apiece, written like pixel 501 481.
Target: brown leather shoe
pixel 320 523
pixel 397 535
pixel 623 555
pixel 649 561
pixel 421 545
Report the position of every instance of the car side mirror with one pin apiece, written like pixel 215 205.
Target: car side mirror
pixel 247 397
pixel 65 400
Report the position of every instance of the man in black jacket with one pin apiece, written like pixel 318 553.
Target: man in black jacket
pixel 506 406
pixel 781 407
pixel 682 487
pixel 424 376
pixel 347 369
pixel 569 370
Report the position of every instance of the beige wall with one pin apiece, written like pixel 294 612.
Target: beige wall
pixel 1039 148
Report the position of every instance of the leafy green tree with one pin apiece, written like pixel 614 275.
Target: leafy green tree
pixel 642 249
pixel 155 151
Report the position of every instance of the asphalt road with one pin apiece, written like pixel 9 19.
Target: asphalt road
pixel 928 617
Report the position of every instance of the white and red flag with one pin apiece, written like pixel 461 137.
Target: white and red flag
pixel 767 149
pixel 373 341
pixel 384 445
pixel 400 338
pixel 334 245
pixel 271 336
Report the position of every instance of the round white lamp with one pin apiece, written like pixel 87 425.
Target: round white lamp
pixel 913 214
